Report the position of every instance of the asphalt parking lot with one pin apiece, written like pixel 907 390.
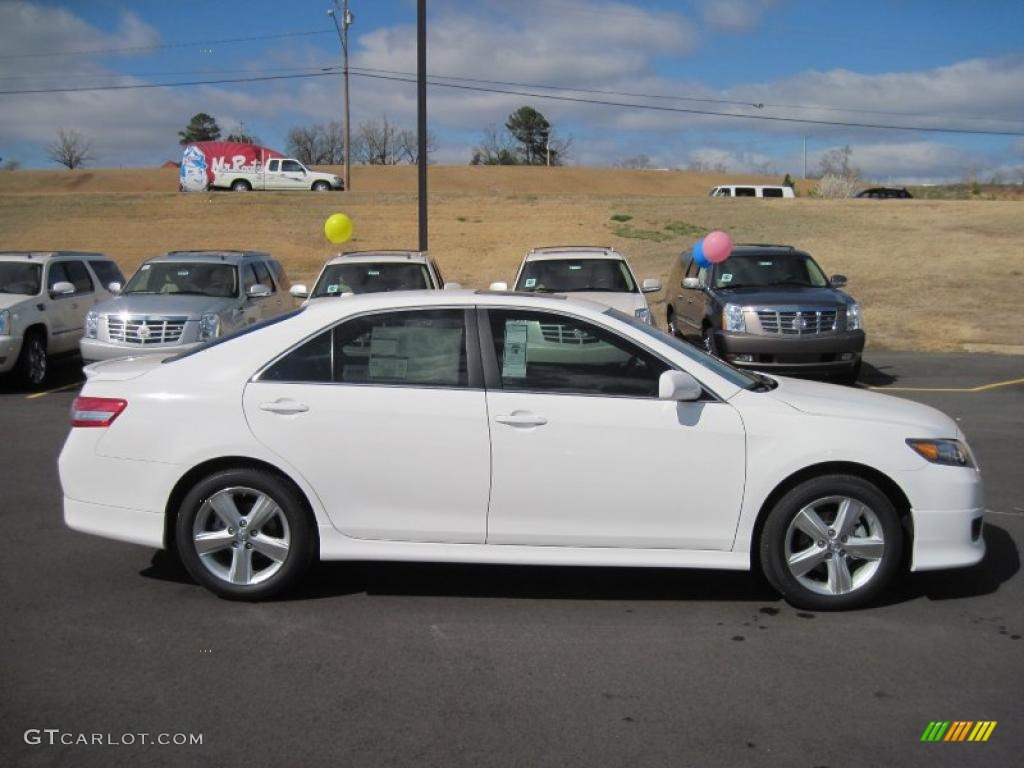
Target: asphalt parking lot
pixel 375 665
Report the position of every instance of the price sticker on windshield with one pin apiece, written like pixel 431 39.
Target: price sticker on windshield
pixel 726 278
pixel 530 282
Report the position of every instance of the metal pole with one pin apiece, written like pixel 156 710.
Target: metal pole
pixel 345 21
pixel 805 158
pixel 421 114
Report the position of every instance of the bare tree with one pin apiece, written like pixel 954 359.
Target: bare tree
pixel 376 142
pixel 10 165
pixel 836 162
pixel 634 161
pixel 317 144
pixel 409 146
pixel 703 166
pixel 496 148
pixel 70 149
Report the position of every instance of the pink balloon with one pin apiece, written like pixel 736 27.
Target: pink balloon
pixel 717 246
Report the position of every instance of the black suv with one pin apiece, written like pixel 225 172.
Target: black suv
pixel 770 308
pixel 886 193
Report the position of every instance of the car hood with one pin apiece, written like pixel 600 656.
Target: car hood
pixel 8 300
pixel 624 302
pixel 784 296
pixel 819 399
pixel 164 304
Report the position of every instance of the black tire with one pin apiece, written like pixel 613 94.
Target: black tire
pixel 291 524
pixel 850 375
pixel 672 329
pixel 240 185
pixel 321 186
pixel 875 528
pixel 33 364
pixel 707 337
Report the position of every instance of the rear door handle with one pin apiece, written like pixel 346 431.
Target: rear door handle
pixel 521 419
pixel 285 407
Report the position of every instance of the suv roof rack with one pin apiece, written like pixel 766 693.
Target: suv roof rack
pixel 764 245
pixel 550 248
pixel 384 252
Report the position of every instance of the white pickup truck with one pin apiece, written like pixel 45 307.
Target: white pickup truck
pixel 276 174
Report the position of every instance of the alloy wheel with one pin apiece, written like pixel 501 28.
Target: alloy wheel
pixel 36 361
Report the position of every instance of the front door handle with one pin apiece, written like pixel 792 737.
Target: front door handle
pixel 521 419
pixel 285 407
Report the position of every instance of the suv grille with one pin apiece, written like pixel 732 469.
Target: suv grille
pixel 797 322
pixel 564 334
pixel 146 330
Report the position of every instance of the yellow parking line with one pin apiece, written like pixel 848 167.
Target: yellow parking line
pixel 34 395
pixel 980 388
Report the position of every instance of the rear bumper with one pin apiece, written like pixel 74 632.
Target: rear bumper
pixel 136 526
pixel 818 353
pixel 94 350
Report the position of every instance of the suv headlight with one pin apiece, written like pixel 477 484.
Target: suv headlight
pixel 5 322
pixel 644 315
pixel 732 318
pixel 209 327
pixel 92 324
pixel 853 317
pixel 952 453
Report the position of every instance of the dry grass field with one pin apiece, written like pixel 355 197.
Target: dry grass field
pixel 931 274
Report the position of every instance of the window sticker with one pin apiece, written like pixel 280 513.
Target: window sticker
pixel 333 288
pixel 575 267
pixel 727 277
pixel 373 272
pixel 381 346
pixel 388 367
pixel 513 364
pixel 182 273
pixel 415 354
pixel 144 267
pixel 530 282
pixel 765 263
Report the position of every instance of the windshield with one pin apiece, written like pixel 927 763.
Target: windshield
pixel 733 375
pixel 185 278
pixel 569 275
pixel 371 277
pixel 751 270
pixel 21 278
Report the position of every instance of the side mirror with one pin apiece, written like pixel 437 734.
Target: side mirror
pixel 838 281
pixel 679 386
pixel 498 286
pixel 650 285
pixel 299 291
pixel 62 288
pixel 114 287
pixel 692 283
pixel 453 286
pixel 258 291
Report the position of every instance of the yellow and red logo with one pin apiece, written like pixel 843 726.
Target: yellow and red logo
pixel 958 730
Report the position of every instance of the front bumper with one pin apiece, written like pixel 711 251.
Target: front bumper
pixel 94 350
pixel 947 511
pixel 10 348
pixel 807 354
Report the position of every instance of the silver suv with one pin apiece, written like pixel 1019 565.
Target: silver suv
pixel 183 298
pixel 374 272
pixel 44 297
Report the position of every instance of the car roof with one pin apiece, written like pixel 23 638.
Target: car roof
pixel 227 256
pixel 552 252
pixel 417 257
pixel 48 255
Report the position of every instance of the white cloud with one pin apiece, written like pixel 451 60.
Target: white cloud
pixel 734 16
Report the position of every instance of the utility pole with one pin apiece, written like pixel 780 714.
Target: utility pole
pixel 805 158
pixel 421 115
pixel 346 21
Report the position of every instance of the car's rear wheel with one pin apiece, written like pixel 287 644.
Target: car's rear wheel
pixel 850 375
pixel 708 340
pixel 831 543
pixel 32 362
pixel 672 329
pixel 321 186
pixel 244 534
pixel 241 186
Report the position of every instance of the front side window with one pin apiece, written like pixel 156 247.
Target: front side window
pixel 371 277
pixel 762 271
pixel 263 275
pixel 568 275
pixel 290 166
pixel 78 275
pixel 273 166
pixel 20 278
pixel 425 348
pixel 248 278
pixel 56 274
pixel 552 353
pixel 186 278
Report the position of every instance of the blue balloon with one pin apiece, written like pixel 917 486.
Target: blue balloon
pixel 698 254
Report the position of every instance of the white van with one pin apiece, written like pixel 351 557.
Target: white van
pixel 751 190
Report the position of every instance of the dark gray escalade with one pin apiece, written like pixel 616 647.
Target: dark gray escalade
pixel 769 308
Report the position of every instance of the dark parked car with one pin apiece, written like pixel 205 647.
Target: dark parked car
pixel 885 193
pixel 769 308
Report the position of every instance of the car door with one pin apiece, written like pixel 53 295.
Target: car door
pixel 691 304
pixel 584 453
pixel 66 313
pixel 293 175
pixel 273 304
pixel 252 309
pixel 385 416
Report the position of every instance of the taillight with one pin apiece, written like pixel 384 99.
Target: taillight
pixel 96 411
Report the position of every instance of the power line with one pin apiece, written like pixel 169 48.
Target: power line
pixel 137 48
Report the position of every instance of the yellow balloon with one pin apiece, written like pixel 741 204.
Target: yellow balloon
pixel 338 228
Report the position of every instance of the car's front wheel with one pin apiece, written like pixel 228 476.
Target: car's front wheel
pixel 321 186
pixel 32 363
pixel 244 534
pixel 831 543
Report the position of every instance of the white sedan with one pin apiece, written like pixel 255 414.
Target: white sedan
pixel 421 426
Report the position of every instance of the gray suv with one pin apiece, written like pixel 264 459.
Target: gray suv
pixel 769 308
pixel 183 298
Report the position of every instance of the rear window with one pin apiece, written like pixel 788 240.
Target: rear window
pixel 771 192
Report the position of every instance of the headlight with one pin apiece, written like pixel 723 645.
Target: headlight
pixel 5 322
pixel 732 318
pixel 92 324
pixel 209 327
pixel 950 452
pixel 853 317
pixel 644 315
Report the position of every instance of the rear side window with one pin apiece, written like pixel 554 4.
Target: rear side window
pixel 425 348
pixel 273 165
pixel 107 272
pixel 746 192
pixel 769 192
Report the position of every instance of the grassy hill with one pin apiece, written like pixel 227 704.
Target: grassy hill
pixel 931 274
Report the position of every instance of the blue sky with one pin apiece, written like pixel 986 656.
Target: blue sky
pixel 942 63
